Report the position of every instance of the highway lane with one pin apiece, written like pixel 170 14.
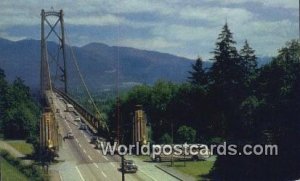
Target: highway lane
pixel 81 161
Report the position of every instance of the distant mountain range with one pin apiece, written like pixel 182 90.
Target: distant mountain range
pixel 98 63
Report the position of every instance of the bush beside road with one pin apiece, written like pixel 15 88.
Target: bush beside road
pixel 9 172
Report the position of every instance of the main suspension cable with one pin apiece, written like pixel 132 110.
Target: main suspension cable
pixel 83 81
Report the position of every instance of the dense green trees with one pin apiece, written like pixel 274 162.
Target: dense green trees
pixel 19 112
pixel 198 74
pixel 233 100
pixel 3 92
pixel 186 134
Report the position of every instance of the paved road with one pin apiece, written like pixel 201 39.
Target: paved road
pixel 80 161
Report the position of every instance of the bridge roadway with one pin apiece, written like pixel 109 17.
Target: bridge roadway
pixel 80 161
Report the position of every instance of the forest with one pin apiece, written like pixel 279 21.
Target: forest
pixel 234 101
pixel 19 111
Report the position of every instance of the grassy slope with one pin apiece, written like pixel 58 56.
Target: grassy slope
pixel 196 169
pixel 21 146
pixel 10 173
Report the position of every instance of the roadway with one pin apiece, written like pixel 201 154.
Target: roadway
pixel 80 161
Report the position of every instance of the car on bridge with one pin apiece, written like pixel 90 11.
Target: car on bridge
pixel 69 108
pixel 83 126
pixel 77 119
pixel 94 140
pixel 70 135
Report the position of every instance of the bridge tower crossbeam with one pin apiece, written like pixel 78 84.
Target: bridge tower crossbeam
pixel 45 67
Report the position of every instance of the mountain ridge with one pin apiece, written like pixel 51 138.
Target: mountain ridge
pixel 96 61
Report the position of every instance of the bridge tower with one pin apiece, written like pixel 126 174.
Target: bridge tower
pixel 47 29
pixel 139 127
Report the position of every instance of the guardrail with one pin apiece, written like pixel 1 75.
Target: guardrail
pixel 97 126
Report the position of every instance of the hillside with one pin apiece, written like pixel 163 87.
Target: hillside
pixel 98 63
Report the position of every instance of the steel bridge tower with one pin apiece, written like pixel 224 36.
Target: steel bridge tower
pixel 45 76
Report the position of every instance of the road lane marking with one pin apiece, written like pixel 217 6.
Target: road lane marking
pixel 105 158
pixel 79 173
pixel 79 145
pixel 60 177
pixel 147 175
pixel 103 174
pixel 96 165
pixel 76 140
pixel 84 151
pixel 90 157
pixel 112 164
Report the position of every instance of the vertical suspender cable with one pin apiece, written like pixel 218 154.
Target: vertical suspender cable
pixel 83 82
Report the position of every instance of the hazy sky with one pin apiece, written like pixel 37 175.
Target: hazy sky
pixel 183 27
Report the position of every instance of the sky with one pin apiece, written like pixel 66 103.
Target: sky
pixel 187 28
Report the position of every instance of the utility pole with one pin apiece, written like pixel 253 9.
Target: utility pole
pixel 0 168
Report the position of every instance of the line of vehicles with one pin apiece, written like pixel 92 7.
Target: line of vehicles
pixel 129 165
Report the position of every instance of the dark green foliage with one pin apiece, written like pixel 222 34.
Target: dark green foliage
pixel 198 74
pixel 186 134
pixel 19 112
pixel 155 101
pixel 228 88
pixel 270 117
pixel 166 139
pixel 236 102
pixel 249 62
pixel 3 93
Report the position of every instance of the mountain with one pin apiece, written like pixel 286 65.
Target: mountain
pixel 97 62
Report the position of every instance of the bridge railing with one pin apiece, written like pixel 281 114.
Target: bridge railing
pixel 98 127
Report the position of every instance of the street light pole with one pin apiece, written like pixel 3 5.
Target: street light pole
pixel 123 173
pixel 0 168
pixel 172 161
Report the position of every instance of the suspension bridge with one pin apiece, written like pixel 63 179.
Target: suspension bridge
pixel 67 127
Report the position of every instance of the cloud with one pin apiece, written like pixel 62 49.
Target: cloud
pixel 11 37
pixel 184 33
pixel 216 15
pixel 268 3
pixel 186 28
pixel 105 20
pixel 148 44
